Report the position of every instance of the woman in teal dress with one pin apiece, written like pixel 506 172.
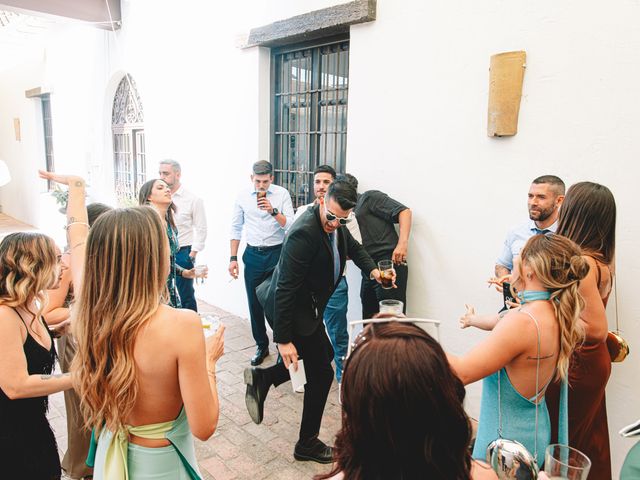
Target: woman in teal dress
pixel 157 194
pixel 145 375
pixel 528 347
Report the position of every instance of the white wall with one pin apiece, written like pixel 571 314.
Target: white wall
pixel 417 129
pixel 421 69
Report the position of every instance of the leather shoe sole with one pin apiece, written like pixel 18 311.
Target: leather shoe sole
pixel 256 394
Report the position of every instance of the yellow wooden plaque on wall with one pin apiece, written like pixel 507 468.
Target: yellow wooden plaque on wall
pixel 505 90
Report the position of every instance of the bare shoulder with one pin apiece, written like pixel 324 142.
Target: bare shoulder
pixel 178 324
pixel 482 471
pixel 515 320
pixel 9 319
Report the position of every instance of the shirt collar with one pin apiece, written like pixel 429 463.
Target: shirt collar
pixel 535 229
pixel 180 190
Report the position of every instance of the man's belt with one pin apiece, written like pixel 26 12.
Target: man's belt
pixel 265 248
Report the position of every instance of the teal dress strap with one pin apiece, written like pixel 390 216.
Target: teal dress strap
pixel 563 414
pixel 93 448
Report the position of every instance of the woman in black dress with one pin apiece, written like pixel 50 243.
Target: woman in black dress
pixel 29 265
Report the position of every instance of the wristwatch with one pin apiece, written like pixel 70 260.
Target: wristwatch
pixel 275 212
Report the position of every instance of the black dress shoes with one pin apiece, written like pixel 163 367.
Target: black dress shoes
pixel 258 385
pixel 258 358
pixel 313 450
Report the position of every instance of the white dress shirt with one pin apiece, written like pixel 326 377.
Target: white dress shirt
pixel 261 229
pixel 190 219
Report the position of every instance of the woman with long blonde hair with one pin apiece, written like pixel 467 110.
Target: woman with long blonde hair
pixel 145 376
pixel 528 347
pixel 29 265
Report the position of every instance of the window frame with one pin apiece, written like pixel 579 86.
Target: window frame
pixel 301 189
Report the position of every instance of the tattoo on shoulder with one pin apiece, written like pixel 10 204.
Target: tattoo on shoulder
pixel 79 183
pixel 55 375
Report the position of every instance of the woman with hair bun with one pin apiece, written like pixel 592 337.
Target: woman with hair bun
pixel 402 412
pixel 29 265
pixel 588 217
pixel 529 347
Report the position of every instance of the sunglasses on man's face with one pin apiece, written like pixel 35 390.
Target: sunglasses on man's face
pixel 341 220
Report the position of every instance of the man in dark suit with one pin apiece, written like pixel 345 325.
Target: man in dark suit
pixel 313 257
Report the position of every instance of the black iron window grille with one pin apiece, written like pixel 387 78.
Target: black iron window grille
pixel 309 121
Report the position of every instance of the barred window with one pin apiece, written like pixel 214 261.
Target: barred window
pixel 45 100
pixel 127 125
pixel 310 114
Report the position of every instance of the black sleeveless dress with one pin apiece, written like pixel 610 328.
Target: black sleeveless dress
pixel 27 444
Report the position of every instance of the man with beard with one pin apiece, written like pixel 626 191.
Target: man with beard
pixel 545 197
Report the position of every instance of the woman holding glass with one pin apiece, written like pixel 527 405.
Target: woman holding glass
pixel 157 194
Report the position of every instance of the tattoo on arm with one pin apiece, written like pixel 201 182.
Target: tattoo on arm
pixel 56 375
pixel 79 183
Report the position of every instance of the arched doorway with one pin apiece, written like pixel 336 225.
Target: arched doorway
pixel 127 123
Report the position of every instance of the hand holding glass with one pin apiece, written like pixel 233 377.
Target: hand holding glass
pixel 387 273
pixel 201 272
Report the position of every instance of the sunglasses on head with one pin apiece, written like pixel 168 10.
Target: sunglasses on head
pixel 341 220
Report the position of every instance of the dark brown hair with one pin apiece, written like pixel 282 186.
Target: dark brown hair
pixel 402 415
pixel 145 193
pixel 588 217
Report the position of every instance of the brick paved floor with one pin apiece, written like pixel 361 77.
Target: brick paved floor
pixel 241 449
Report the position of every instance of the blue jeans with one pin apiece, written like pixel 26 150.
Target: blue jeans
pixel 335 319
pixel 185 285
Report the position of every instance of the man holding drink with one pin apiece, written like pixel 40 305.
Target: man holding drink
pixel 265 213
pixel 309 270
pixel 377 214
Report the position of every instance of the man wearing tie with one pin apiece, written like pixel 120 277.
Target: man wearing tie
pixel 310 267
pixel 545 197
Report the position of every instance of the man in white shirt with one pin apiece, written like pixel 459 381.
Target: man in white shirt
pixel 264 212
pixel 191 221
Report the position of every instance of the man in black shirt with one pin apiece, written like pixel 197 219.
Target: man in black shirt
pixel 377 214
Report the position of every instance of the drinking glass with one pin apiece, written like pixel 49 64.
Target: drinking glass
pixel 386 273
pixel 562 462
pixel 391 306
pixel 201 272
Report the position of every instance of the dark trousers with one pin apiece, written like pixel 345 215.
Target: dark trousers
pixel 185 285
pixel 316 351
pixel 371 292
pixel 258 265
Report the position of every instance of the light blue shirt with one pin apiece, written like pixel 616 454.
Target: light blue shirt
pixel 517 238
pixel 260 228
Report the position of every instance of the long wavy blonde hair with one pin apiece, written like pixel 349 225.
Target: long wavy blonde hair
pixel 126 267
pixel 558 264
pixel 28 267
